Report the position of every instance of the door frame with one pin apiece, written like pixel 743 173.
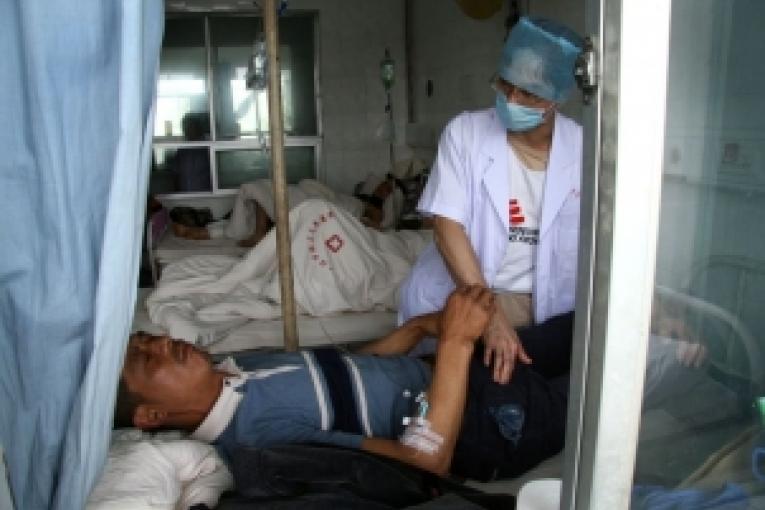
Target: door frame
pixel 622 171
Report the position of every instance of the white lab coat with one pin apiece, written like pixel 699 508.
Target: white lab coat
pixel 470 184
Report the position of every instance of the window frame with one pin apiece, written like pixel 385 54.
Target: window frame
pixel 245 142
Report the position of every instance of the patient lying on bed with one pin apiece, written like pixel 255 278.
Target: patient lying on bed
pixel 377 205
pixel 448 417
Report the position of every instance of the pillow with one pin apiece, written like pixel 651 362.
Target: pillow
pixel 159 472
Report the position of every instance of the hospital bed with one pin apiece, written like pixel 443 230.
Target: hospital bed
pixel 703 426
pixel 164 247
pixel 347 274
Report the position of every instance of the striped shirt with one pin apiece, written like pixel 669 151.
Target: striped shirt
pixel 279 398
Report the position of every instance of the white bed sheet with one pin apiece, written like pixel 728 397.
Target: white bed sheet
pixel 344 328
pixel 171 248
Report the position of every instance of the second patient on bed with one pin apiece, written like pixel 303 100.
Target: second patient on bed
pixel 377 204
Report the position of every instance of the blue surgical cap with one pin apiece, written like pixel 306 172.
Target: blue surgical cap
pixel 539 57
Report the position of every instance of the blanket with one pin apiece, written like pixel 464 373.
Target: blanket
pixel 261 191
pixel 339 265
pixel 323 477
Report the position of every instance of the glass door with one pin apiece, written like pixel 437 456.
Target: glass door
pixel 669 369
pixel 700 426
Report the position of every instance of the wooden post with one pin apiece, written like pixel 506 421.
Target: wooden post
pixel 281 204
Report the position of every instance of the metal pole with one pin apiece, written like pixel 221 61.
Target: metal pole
pixel 392 132
pixel 279 176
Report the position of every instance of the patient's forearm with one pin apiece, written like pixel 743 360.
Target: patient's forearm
pixel 447 402
pixel 405 337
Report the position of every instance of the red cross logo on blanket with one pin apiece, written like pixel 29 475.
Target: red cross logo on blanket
pixel 334 243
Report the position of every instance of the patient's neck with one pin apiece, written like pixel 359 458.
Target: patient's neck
pixel 190 417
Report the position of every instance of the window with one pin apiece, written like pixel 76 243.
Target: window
pixel 210 130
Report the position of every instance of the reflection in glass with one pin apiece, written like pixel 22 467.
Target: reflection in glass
pixel 239 166
pixel 240 111
pixel 180 170
pixel 707 350
pixel 182 85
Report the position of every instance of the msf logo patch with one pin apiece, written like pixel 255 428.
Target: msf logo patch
pixel 519 232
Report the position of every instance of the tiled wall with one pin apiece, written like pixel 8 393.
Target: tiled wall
pixel 353 36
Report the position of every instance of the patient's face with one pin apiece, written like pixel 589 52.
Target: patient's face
pixel 165 371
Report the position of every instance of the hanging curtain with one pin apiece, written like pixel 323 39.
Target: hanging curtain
pixel 76 111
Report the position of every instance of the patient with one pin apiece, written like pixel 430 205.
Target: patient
pixel 377 204
pixel 460 421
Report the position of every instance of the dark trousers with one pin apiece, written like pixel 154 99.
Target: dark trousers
pixel 509 429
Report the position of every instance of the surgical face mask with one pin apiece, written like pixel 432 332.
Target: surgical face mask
pixel 517 117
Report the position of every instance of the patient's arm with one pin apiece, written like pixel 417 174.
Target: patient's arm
pixel 462 321
pixel 405 337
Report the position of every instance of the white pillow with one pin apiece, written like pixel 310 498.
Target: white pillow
pixel 159 472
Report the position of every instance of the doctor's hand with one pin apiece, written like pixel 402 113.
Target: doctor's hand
pixel 503 345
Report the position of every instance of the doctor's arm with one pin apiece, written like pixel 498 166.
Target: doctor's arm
pixel 501 341
pixel 461 323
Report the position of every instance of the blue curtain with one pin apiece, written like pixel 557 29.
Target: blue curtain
pixel 77 85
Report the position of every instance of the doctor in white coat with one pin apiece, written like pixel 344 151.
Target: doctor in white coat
pixel 504 196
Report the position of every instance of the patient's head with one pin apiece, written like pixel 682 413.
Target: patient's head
pixel 165 383
pixel 378 197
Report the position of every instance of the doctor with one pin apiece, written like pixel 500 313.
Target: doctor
pixel 504 196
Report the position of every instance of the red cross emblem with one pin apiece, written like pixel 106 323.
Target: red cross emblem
pixel 334 243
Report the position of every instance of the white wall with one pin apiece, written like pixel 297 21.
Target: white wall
pixel 458 55
pixel 353 36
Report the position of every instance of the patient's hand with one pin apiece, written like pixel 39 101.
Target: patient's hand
pixel 466 313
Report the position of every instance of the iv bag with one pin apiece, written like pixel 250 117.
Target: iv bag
pixel 257 68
